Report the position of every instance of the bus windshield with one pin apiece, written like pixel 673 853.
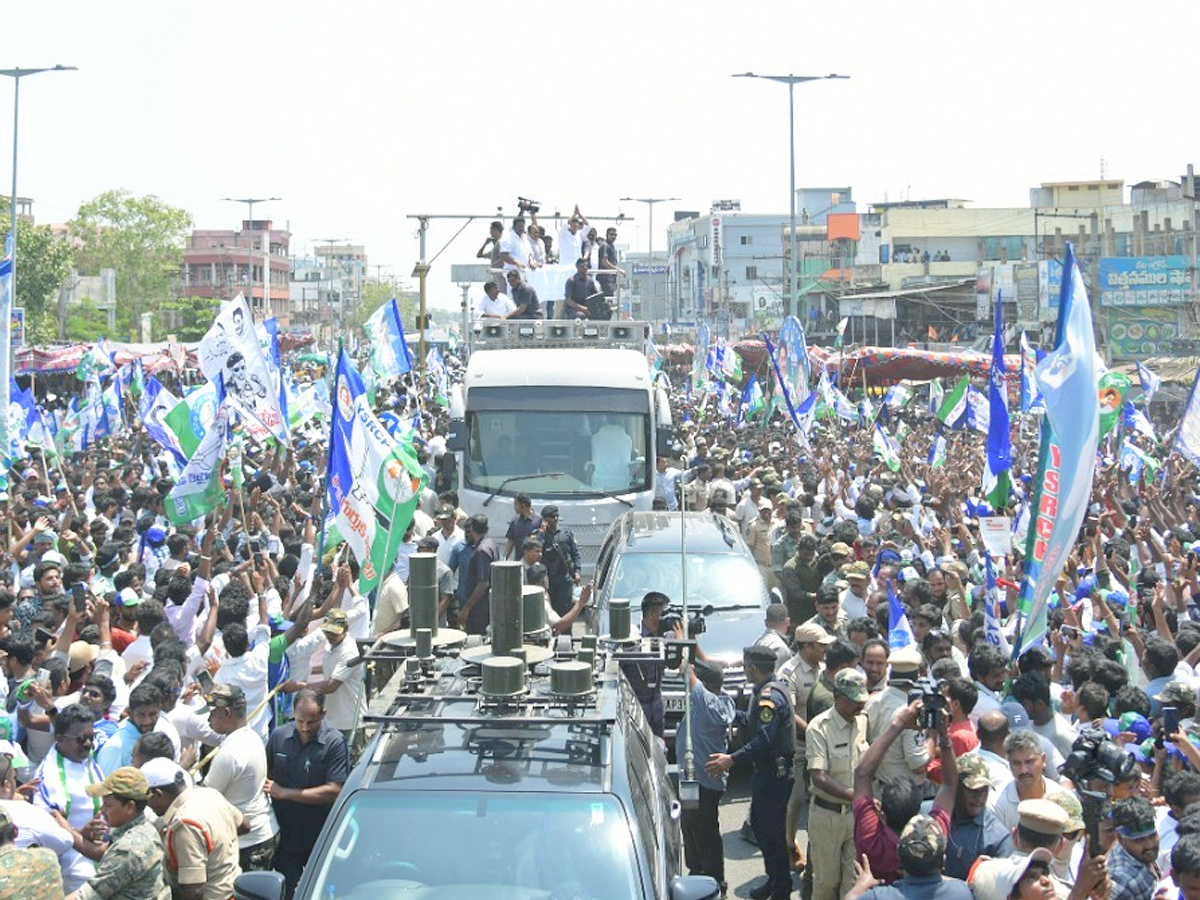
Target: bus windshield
pixel 564 448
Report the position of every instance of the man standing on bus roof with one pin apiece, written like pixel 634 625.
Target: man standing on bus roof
pixel 571 237
pixel 515 249
pixel 578 288
pixel 608 261
pixel 524 298
pixel 525 523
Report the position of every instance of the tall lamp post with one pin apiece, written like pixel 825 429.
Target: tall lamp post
pixel 650 201
pixel 329 256
pixel 250 201
pixel 791 81
pixel 16 75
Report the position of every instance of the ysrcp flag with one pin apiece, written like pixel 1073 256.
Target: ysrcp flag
pixel 190 418
pixel 794 364
pixel 385 334
pixel 199 489
pixel 231 351
pixel 1067 457
pixel 155 403
pixel 1150 382
pixel 374 480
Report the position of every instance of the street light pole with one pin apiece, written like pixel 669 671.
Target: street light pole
pixel 791 81
pixel 250 201
pixel 328 257
pixel 16 75
pixel 650 201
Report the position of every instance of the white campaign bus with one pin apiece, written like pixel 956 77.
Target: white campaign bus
pixel 566 412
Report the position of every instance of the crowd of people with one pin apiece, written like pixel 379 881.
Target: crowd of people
pixel 182 702
pixel 944 765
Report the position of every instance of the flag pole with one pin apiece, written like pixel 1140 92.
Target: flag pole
pixel 328 461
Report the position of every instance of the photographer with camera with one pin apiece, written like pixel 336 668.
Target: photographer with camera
pixel 878 823
pixel 907 758
pixel 646 678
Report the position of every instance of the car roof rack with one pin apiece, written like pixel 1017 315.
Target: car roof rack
pixel 524 673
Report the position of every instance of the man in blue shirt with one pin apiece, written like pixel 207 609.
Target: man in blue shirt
pixel 974 829
pixel 712 714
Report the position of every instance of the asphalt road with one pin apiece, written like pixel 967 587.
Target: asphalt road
pixel 743 862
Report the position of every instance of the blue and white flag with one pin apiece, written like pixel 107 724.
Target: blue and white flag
pixel 794 366
pixel 804 420
pixel 1150 382
pixel 937 451
pixel 979 413
pixel 999 446
pixel 1067 457
pixel 385 333
pixel 899 633
pixel 6 270
pixel 1031 397
pixel 156 401
pixel 374 481
pixel 1135 420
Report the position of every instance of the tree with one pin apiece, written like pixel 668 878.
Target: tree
pixel 196 315
pixel 43 264
pixel 85 322
pixel 142 239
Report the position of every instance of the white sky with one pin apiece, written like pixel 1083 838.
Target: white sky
pixel 358 113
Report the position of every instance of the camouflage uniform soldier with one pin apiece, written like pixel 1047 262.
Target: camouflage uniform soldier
pixel 132 866
pixel 26 874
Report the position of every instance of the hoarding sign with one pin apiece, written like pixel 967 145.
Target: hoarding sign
pixel 1144 280
pixel 1137 332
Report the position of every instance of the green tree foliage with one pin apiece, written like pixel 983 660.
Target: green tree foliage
pixel 43 264
pixel 195 316
pixel 85 322
pixel 142 238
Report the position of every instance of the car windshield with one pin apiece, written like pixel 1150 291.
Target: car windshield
pixel 720 579
pixel 486 846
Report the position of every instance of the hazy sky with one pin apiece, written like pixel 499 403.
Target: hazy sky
pixel 360 113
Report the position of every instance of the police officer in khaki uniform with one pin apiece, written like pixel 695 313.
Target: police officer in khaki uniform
pixel 907 759
pixel 769 747
pixel 836 741
pixel 200 833
pixel 800 673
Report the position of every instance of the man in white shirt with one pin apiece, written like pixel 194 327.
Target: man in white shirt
pixel 449 536
pixel 342 682
pixel 494 304
pixel 775 637
pixel 1027 762
pixel 515 249
pixel 854 598
pixel 239 771
pixel 612 452
pixel 570 237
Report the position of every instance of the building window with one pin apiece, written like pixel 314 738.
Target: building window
pixel 747 239
pixel 751 272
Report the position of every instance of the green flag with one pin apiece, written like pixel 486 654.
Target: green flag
pixel 954 403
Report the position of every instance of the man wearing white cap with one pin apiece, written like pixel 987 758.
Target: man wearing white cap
pixel 200 833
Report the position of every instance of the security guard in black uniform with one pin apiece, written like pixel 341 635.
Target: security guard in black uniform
pixel 560 556
pixel 769 747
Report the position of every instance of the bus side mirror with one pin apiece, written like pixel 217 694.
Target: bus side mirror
pixel 456 437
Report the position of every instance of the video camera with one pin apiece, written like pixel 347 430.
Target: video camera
pixel 933 702
pixel 526 205
pixel 673 616
pixel 1093 755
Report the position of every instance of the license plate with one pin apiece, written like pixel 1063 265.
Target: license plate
pixel 673 704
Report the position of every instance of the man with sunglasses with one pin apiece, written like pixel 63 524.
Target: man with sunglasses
pixel 69 768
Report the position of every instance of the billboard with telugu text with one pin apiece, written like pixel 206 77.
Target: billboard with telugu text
pixel 1144 280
